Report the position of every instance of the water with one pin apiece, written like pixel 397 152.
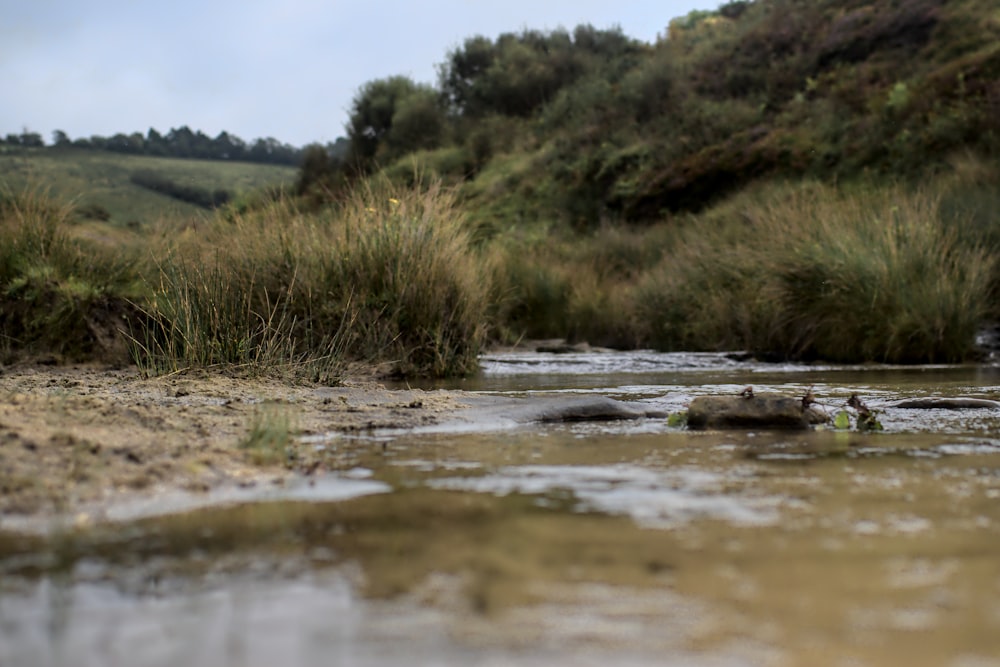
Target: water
pixel 632 543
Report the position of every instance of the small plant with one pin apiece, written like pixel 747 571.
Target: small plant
pixel 677 419
pixel 270 439
pixel 867 419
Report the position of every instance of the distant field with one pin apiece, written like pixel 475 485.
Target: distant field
pixel 101 178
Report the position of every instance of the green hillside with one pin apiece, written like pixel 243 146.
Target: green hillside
pixel 99 181
pixel 589 125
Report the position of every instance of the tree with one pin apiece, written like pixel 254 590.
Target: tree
pixel 392 116
pixel 417 123
pixel 463 69
pixel 60 138
pixel 520 72
pixel 228 147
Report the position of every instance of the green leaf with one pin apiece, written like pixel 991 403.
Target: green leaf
pixel 677 419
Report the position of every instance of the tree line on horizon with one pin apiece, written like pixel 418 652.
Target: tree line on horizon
pixel 181 142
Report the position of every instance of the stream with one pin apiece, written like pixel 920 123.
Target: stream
pixel 586 543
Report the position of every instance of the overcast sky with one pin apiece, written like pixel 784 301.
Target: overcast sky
pixel 286 69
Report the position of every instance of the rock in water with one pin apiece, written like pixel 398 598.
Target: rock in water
pixel 754 411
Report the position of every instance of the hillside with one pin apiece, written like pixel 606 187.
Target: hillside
pixel 102 183
pixel 589 125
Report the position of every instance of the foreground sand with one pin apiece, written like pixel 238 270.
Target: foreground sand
pixel 75 438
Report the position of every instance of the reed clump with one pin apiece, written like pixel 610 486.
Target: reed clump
pixel 566 284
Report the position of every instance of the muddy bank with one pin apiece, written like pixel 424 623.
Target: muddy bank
pixel 74 437
pixel 76 441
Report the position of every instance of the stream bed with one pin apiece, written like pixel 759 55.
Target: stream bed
pixel 590 543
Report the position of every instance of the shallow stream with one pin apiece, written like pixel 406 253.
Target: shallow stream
pixel 626 543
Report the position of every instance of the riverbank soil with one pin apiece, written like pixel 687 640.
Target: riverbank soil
pixel 77 436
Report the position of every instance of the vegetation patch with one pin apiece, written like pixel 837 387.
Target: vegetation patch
pixel 389 275
pixel 186 193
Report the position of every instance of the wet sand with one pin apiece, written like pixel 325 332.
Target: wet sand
pixel 76 438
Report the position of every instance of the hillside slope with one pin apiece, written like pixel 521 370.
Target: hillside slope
pixel 590 126
pixel 101 183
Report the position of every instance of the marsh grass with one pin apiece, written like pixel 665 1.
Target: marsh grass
pixel 388 275
pixel 203 316
pixel 418 291
pixel 573 285
pixel 811 271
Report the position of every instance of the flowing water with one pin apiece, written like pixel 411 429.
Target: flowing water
pixel 626 543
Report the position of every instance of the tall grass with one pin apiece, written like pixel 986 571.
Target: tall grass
pixel 415 290
pixel 573 285
pixel 811 271
pixel 58 294
pixel 387 275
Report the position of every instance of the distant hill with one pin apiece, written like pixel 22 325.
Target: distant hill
pixel 130 189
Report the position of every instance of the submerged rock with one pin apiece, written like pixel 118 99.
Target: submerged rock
pixel 754 411
pixel 584 408
pixel 937 402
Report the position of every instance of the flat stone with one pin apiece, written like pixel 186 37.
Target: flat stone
pixel 760 411
pixel 583 408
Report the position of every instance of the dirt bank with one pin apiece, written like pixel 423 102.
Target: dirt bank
pixel 73 437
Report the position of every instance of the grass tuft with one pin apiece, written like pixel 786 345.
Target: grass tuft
pixel 270 438
pixel 388 275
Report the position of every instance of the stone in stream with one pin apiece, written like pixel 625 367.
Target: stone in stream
pixel 937 402
pixel 584 408
pixel 753 411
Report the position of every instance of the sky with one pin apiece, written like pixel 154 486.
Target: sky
pixel 286 69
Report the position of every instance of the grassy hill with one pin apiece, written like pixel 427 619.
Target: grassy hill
pixel 100 182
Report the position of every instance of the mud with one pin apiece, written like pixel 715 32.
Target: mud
pixel 76 437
